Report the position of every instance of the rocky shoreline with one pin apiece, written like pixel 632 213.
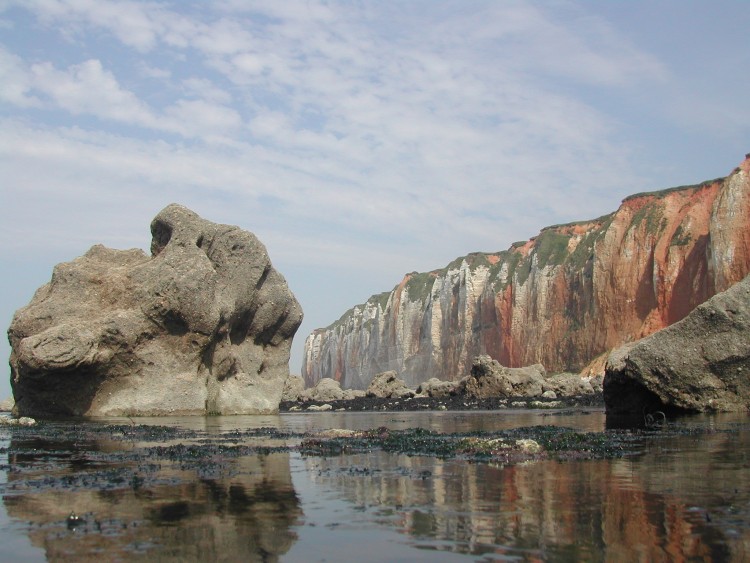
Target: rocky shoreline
pixel 451 403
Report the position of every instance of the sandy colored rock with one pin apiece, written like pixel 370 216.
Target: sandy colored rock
pixel 203 325
pixel 325 390
pixel 490 379
pixel 387 385
pixel 294 386
pixel 437 388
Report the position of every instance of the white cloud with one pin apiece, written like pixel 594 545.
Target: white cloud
pixel 397 135
pixel 87 88
pixel 16 81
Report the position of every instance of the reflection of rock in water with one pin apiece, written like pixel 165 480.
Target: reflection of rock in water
pixel 163 511
pixel 630 509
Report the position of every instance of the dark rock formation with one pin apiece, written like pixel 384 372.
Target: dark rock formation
pixel 701 363
pixel 204 325
pixel 561 299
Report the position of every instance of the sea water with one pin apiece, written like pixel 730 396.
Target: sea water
pixel 681 496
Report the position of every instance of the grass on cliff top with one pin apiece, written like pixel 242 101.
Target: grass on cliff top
pixel 550 248
pixel 659 194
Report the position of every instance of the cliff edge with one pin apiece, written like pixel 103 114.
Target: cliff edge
pixel 562 299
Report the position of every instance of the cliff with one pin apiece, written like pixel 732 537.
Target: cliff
pixel 561 299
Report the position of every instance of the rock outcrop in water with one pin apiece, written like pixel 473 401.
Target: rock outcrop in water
pixel 561 299
pixel 701 363
pixel 203 325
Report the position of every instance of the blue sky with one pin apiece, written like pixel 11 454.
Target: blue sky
pixel 358 140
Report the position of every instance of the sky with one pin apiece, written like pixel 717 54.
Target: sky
pixel 359 140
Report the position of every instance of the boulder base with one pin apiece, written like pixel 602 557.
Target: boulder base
pixel 204 325
pixel 701 363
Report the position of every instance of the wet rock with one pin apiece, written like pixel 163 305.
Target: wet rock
pixel 203 325
pixel 701 363
pixel 319 408
pixel 21 421
pixel 387 385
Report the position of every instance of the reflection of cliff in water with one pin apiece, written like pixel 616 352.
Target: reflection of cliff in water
pixel 166 511
pixel 654 507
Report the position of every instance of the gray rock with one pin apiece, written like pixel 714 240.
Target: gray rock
pixel 350 394
pixel 325 390
pixel 294 386
pixel 437 388
pixel 387 385
pixel 203 325
pixel 490 379
pixel 567 385
pixel 700 363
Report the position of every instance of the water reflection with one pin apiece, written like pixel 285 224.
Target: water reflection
pixel 162 510
pixel 679 496
pixel 683 498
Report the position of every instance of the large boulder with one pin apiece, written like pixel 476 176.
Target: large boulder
pixel 387 385
pixel 325 390
pixel 701 363
pixel 204 325
pixel 489 379
pixel 568 385
pixel 294 386
pixel 437 388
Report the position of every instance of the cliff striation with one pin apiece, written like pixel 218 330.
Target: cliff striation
pixel 561 299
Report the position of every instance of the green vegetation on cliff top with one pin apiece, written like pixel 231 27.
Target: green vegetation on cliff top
pixel 550 248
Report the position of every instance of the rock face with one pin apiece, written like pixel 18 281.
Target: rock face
pixel 490 379
pixel 203 325
pixel 701 363
pixel 561 299
pixel 387 385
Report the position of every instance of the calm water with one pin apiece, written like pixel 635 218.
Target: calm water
pixel 679 498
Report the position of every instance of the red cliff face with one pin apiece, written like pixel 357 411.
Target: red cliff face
pixel 561 299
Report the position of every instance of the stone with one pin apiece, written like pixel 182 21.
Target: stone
pixel 387 385
pixel 7 405
pixel 701 363
pixel 351 394
pixel 294 386
pixel 325 390
pixel 567 385
pixel 437 388
pixel 320 408
pixel 202 326
pixel 490 379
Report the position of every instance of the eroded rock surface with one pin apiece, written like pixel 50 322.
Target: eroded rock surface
pixel 203 325
pixel 701 363
pixel 490 379
pixel 387 385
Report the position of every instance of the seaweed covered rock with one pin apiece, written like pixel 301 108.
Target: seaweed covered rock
pixel 701 363
pixel 203 325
